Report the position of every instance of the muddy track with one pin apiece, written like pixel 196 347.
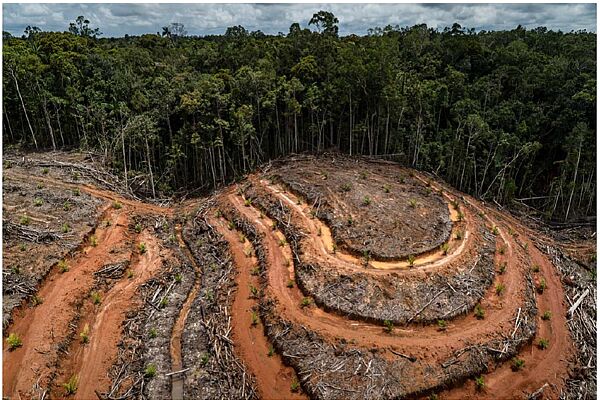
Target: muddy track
pixel 543 366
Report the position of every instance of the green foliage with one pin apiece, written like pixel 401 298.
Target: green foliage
pixel 502 268
pixel 178 278
pixel 346 187
pixel 444 247
pixel 386 188
pixel 535 268
pixel 65 228
pixel 254 318
pixel 96 298
pixel 366 201
pixel 290 283
pixel 152 333
pixel 294 386
pixel 412 203
pixel 66 206
pixel 13 340
pixel 271 352
pixel 24 220
pixel 36 300
pixel 442 324
pixel 117 205
pixel 411 260
pixel 138 228
pixel 38 201
pixel 542 286
pixel 142 247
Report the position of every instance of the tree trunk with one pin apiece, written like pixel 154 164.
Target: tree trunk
pixel 12 72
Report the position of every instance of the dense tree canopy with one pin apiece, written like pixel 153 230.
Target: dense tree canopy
pixel 501 115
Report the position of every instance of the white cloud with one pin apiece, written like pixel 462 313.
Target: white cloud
pixel 200 19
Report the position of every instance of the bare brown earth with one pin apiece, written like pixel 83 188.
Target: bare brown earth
pixel 264 290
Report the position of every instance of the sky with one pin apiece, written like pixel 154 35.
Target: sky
pixel 116 20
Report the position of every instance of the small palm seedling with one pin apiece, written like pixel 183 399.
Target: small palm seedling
pixel 282 242
pixel 411 260
pixel 36 300
pixel 247 202
pixel 66 206
pixel 37 202
pixel 363 175
pixel 346 187
pixel 290 283
pixel 333 248
pixel 305 302
pixel 542 286
pixel 93 241
pixel 271 351
pixel 547 315
pixel 502 268
pixel 535 268
pixel 319 233
pixel 13 340
pixel 63 266
pixel 255 271
pixel 253 292
pixel 433 396
pixel 479 312
pixel 517 364
pixel 460 216
pixel 24 220
pixel 142 247
pixel 70 386
pixel 45 171
pixel 366 201
pixel 39 186
pixel 386 188
pixel 129 274
pixel 412 203
pixel 65 228
pixel 502 250
pixel 178 278
pixel 442 325
pixel 230 225
pixel 254 318
pixel 85 334
pixel 152 333
pixel 76 192
pixel 248 252
pixel 479 383
pixel 543 344
pixel 388 326
pixel 294 386
pixel 204 359
pixel 138 228
pixel 150 371
pixel 117 205
pixel 495 230
pixel 350 221
pixel 500 289
pixel 445 248
pixel 75 175
pixel 164 302
pixel 274 225
pixel 22 247
pixel 242 238
pixel 261 215
pixel 96 298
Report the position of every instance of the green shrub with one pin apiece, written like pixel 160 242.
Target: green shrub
pixel 346 187
pixel 542 286
pixel 178 278
pixel 76 192
pixel 253 292
pixel 36 300
pixel 138 228
pixel 65 228
pixel 412 203
pixel 204 359
pixel 24 220
pixel 13 340
pixel 152 333
pixel 442 324
pixel 366 201
pixel 38 201
pixel 45 171
pixel 67 206
pixel 502 268
pixel 142 247
pixel 386 188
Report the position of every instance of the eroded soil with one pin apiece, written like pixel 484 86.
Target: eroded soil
pixel 266 290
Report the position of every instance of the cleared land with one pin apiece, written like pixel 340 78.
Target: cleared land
pixel 322 277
